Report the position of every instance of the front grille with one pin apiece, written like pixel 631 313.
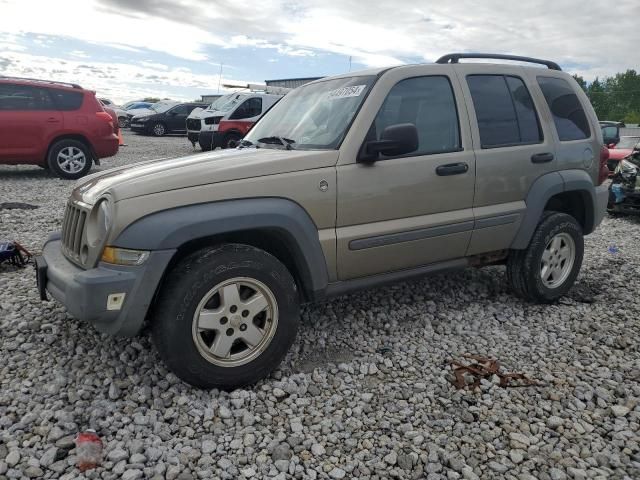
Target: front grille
pixel 72 230
pixel 193 124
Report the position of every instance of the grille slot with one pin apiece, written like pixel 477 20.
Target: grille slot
pixel 72 231
pixel 193 124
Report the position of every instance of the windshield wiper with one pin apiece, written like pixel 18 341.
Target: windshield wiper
pixel 285 142
pixel 246 143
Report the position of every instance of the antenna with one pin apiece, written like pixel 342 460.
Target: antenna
pixel 219 77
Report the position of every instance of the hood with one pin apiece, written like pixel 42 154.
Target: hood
pixel 619 153
pixel 162 175
pixel 197 113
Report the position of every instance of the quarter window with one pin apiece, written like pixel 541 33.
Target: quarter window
pixel 252 107
pixel 66 100
pixel 568 114
pixel 429 104
pixel 24 97
pixel 504 110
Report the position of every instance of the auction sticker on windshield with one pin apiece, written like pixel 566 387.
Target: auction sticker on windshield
pixel 344 92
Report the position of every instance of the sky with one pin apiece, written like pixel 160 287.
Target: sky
pixel 130 49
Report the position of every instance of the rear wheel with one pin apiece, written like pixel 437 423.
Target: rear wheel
pixel 226 316
pixel 69 159
pixel 547 269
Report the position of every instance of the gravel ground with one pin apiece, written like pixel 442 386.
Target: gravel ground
pixel 364 393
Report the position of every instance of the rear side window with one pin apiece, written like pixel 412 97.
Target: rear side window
pixel 66 100
pixel 252 107
pixel 568 114
pixel 24 97
pixel 429 104
pixel 505 112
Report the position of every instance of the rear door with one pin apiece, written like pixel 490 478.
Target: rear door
pixel 28 119
pixel 513 148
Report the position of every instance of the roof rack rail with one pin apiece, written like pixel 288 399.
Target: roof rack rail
pixel 39 80
pixel 454 57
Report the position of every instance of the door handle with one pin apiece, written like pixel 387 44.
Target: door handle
pixel 541 157
pixel 52 120
pixel 452 169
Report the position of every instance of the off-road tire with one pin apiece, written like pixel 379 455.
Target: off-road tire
pixel 59 146
pixel 523 266
pixel 188 283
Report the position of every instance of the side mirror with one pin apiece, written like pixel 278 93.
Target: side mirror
pixel 611 145
pixel 395 140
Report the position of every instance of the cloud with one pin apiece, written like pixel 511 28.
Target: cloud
pixel 118 81
pixel 592 39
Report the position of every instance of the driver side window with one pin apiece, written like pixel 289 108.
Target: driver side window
pixel 429 104
pixel 180 110
pixel 251 107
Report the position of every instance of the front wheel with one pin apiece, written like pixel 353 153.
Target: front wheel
pixel 547 269
pixel 226 316
pixel 158 129
pixel 123 122
pixel 231 140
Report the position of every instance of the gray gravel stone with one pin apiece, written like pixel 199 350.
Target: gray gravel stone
pixel 364 392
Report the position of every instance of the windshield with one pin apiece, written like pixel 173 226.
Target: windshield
pixel 161 107
pixel 225 103
pixel 314 116
pixel 628 142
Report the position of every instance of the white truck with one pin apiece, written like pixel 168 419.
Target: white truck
pixel 230 117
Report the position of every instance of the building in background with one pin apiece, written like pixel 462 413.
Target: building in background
pixel 290 82
pixel 210 98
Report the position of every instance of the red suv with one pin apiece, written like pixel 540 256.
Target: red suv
pixel 59 126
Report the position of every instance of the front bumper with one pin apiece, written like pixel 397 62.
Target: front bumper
pixel 209 140
pixel 193 136
pixel 92 295
pixel 138 127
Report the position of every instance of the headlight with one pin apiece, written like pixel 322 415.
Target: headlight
pixel 99 223
pixel 142 119
pixel 124 256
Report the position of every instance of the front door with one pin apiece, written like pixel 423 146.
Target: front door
pixel 178 118
pixel 415 209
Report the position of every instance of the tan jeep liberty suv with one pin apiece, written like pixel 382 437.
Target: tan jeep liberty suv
pixel 348 182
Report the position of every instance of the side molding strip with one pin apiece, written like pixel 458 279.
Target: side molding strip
pixel 391 238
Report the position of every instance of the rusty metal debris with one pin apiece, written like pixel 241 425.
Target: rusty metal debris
pixel 485 368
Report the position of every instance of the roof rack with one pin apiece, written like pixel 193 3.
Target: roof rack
pixel 454 57
pixel 39 80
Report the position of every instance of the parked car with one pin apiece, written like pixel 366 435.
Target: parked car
pixel 106 102
pixel 165 119
pixel 626 145
pixel 348 182
pixel 624 190
pixel 151 109
pixel 56 125
pixel 611 132
pixel 228 119
pixel 135 105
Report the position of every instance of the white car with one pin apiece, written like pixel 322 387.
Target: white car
pixel 152 110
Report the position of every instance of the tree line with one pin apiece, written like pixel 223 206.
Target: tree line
pixel 615 98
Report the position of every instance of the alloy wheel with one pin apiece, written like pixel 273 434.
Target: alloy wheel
pixel 557 260
pixel 235 322
pixel 71 160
